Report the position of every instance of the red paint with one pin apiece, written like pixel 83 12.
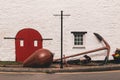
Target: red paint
pixel 28 36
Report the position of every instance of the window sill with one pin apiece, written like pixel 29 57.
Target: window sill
pixel 78 47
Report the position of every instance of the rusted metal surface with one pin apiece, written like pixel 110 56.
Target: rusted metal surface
pixel 101 39
pixel 40 58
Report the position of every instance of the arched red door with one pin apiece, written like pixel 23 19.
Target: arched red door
pixel 27 41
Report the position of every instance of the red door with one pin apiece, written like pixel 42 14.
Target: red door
pixel 27 41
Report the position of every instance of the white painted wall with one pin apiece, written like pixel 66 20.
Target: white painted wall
pixel 101 16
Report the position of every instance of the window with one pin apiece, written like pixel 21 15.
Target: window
pixel 21 43
pixel 79 39
pixel 35 43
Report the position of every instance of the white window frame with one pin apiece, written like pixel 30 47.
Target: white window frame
pixel 76 38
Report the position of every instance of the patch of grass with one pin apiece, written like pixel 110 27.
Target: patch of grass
pixel 9 63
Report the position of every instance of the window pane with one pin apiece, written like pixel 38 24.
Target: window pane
pixel 75 43
pixel 35 43
pixel 21 43
pixel 78 39
pixel 82 39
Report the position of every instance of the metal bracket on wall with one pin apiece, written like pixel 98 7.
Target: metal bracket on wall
pixel 22 38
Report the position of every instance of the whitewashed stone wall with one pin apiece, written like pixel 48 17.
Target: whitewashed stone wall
pixel 101 16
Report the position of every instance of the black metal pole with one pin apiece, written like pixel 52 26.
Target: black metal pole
pixel 61 62
pixel 61 65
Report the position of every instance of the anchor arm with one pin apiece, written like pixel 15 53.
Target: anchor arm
pixel 100 38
